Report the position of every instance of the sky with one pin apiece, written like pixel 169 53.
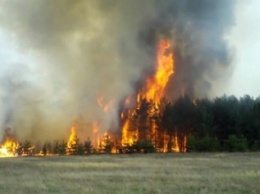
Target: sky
pixel 244 38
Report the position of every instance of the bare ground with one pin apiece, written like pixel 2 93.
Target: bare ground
pixel 133 173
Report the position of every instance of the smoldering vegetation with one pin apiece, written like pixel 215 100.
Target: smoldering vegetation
pixel 80 51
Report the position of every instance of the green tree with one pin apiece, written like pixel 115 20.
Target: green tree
pixel 245 120
pixel 203 125
pixel 62 148
pixel 76 148
pixel 143 146
pixel 167 123
pixel 56 147
pixel 88 146
pixel 27 148
pixel 80 149
pixel 225 111
pixel 256 123
pixel 234 144
pixel 44 149
pixel 184 116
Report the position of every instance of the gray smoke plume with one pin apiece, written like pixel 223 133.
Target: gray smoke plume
pixel 82 50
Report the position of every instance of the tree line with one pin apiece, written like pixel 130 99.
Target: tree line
pixel 225 123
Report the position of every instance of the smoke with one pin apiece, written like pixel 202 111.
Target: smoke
pixel 79 51
pixel 197 30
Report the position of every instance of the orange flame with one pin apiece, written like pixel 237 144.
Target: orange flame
pixel 8 149
pixel 73 137
pixel 176 147
pixel 127 137
pixel 165 68
pixel 124 133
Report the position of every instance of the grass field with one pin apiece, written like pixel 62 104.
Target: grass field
pixel 133 173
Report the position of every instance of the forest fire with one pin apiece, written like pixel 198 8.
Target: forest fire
pixel 137 80
pixel 139 124
pixel 139 129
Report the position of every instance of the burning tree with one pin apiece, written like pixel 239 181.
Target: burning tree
pixel 9 146
pixel 88 146
pixel 143 122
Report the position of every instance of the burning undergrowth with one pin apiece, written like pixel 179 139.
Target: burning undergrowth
pixel 109 67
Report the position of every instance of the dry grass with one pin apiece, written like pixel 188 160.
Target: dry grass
pixel 151 173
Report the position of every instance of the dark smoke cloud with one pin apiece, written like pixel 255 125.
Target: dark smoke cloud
pixel 81 50
pixel 197 29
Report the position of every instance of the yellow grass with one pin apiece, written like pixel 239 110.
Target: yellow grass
pixel 147 173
